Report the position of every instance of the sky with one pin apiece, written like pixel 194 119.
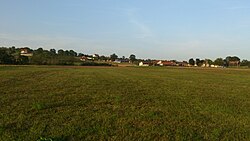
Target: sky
pixel 155 29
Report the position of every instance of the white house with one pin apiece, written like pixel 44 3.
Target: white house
pixel 145 64
pixel 166 63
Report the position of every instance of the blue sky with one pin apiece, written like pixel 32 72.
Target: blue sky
pixel 156 29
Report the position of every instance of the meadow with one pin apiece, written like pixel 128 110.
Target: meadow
pixel 124 103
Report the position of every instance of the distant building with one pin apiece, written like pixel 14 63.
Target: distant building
pixel 95 55
pixel 166 63
pixel 86 58
pixel 83 58
pixel 205 65
pixel 182 64
pixel 234 63
pixel 144 64
pixel 117 61
pixel 26 52
pixel 215 66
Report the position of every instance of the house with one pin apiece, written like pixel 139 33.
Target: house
pixel 215 66
pixel 117 61
pixel 95 56
pixel 83 58
pixel 234 63
pixel 26 52
pixel 86 58
pixel 205 65
pixel 144 64
pixel 182 64
pixel 166 63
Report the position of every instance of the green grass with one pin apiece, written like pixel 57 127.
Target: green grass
pixel 124 103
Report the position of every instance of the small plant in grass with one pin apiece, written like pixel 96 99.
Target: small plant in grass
pixel 38 106
pixel 1 130
pixel 44 139
pixel 54 139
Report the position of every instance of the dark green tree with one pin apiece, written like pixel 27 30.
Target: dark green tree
pixel 80 54
pixel 5 56
pixel 198 62
pixel 60 52
pixel 209 61
pixel 72 53
pixel 219 62
pixel 231 59
pixel 245 63
pixel 132 58
pixel 53 51
pixel 113 57
pixel 191 61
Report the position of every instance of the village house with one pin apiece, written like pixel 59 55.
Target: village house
pixel 95 56
pixel 86 58
pixel 117 61
pixel 166 63
pixel 26 52
pixel 215 66
pixel 83 58
pixel 182 64
pixel 234 63
pixel 205 65
pixel 144 64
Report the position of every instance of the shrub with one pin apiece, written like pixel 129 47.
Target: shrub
pixel 95 64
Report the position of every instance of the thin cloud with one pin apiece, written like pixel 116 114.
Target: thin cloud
pixel 144 30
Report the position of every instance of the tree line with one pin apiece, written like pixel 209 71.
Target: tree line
pixel 13 55
pixel 228 61
pixel 40 56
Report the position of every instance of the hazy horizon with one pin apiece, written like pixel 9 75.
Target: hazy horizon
pixel 163 29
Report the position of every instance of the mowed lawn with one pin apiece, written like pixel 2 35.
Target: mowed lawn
pixel 124 103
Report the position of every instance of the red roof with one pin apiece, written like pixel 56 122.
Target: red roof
pixel 168 63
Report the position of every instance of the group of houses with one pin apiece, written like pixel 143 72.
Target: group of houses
pixel 163 63
pixel 174 63
pixel 228 62
pixel 96 57
pixel 89 57
pixel 152 62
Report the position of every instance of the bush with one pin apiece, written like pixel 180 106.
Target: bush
pixel 94 64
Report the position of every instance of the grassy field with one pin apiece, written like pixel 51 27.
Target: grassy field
pixel 124 103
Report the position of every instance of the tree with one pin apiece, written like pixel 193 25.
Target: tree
pixel 72 53
pixel 113 57
pixel 219 62
pixel 60 52
pixel 191 61
pixel 198 62
pixel 132 58
pixel 80 54
pixel 233 59
pixel 103 58
pixel 52 51
pixel 5 56
pixel 245 63
pixel 210 62
pixel 38 57
pixel 202 62
pixel 39 51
